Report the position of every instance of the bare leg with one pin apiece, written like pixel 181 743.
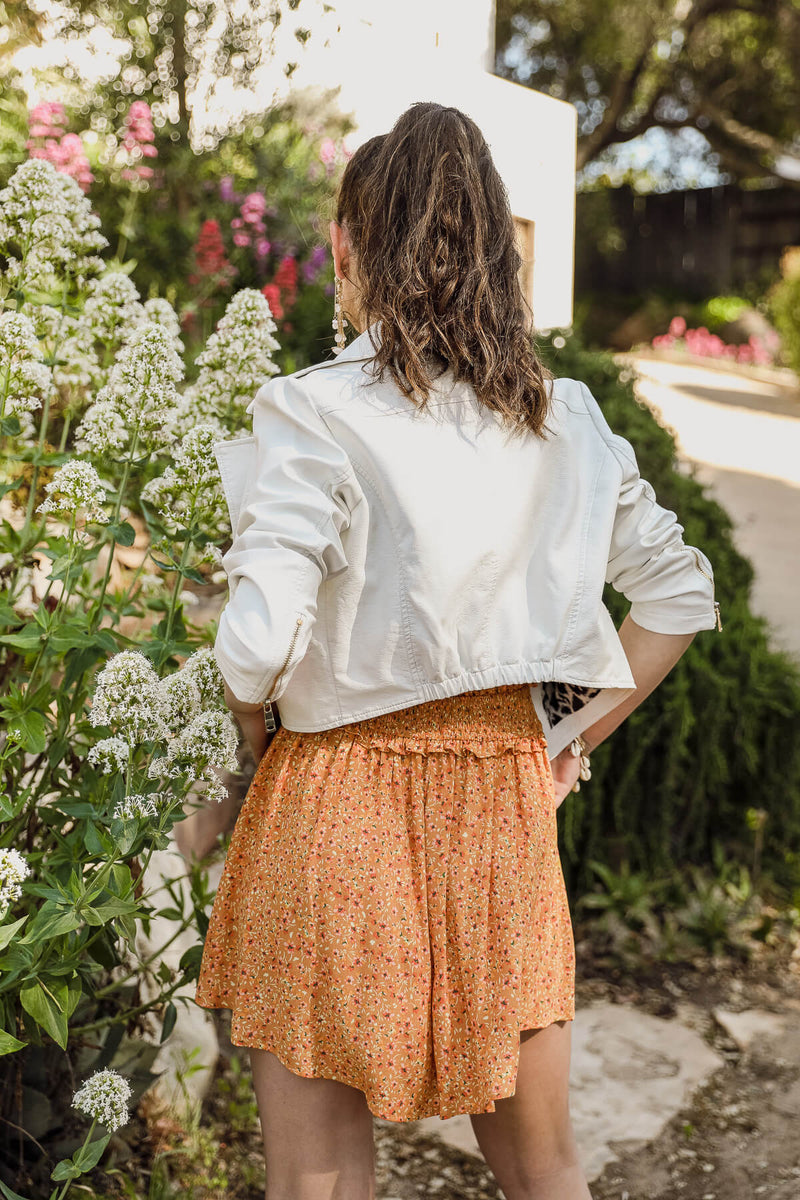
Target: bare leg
pixel 528 1141
pixel 318 1140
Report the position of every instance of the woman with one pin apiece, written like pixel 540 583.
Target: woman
pixel 416 576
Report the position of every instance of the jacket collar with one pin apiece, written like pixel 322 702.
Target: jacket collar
pixel 361 349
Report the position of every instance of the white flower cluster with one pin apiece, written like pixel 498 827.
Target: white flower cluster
pixel 104 1097
pixel 182 700
pixel 186 710
pixel 64 340
pixel 190 489
pixel 135 808
pixel 110 754
pixel 47 228
pixel 129 699
pixel 203 668
pixel 208 743
pixel 110 316
pixel 235 363
pixel 161 312
pixel 24 378
pixel 13 870
pixel 76 489
pixel 140 398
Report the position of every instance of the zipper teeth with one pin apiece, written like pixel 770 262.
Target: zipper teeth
pixel 710 578
pixel 290 652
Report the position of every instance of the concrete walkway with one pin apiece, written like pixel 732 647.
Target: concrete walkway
pixel 743 435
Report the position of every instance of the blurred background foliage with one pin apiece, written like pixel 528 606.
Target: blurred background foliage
pixel 718 736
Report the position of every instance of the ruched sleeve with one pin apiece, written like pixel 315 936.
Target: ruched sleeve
pixel 670 584
pixel 288 540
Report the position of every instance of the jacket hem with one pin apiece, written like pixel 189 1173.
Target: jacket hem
pixel 503 675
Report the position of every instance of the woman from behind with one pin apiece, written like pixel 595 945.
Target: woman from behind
pixel 416 578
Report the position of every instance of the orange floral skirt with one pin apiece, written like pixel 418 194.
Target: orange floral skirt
pixel 392 910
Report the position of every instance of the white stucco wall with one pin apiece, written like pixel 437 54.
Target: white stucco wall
pixel 382 57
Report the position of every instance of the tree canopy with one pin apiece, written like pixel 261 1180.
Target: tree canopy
pixel 727 68
pixel 167 46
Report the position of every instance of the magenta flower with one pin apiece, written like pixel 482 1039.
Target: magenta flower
pixel 48 140
pixel 327 151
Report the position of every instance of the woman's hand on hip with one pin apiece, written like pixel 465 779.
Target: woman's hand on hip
pixel 250 718
pixel 566 768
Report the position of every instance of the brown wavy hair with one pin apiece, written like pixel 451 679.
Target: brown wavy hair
pixel 429 221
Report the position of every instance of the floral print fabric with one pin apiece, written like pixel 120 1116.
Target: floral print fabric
pixel 392 911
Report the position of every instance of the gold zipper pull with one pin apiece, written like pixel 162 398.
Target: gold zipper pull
pixel 297 627
pixel 719 621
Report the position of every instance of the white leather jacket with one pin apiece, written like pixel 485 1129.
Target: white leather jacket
pixel 384 555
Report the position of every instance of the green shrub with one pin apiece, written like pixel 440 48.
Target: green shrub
pixel 718 737
pixel 784 301
pixel 718 311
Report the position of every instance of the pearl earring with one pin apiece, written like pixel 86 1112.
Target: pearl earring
pixel 339 322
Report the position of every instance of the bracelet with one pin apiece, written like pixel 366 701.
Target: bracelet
pixel 579 747
pixel 269 717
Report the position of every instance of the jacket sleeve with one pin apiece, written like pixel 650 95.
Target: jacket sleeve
pixel 288 539
pixel 670 584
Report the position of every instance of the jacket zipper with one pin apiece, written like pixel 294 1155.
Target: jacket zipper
pixel 269 714
pixel 711 581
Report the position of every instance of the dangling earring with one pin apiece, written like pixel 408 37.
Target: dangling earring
pixel 339 322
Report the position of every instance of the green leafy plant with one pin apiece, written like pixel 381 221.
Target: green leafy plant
pixel 717 737
pixel 784 302
pixel 112 703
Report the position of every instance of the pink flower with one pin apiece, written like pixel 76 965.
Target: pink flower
pixel 327 151
pixel 241 239
pixel 137 141
pixel 48 119
pixel 663 341
pixel 677 327
pixel 253 206
pixel 64 150
pixel 262 247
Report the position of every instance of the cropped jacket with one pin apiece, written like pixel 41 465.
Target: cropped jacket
pixel 384 555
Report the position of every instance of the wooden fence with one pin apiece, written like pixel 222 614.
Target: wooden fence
pixel 700 242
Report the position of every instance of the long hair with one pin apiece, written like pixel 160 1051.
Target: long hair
pixel 438 266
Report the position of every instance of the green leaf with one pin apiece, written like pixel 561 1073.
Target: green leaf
pixel 68 636
pixel 193 574
pixel 10 426
pixel 96 841
pixel 12 486
pixel 64 922
pixel 8 1193
pixel 190 961
pixel 8 1043
pixel 45 1012
pixel 10 808
pixel 66 1169
pixel 89 1156
pixel 170 1018
pixel 99 914
pixel 32 729
pixel 27 638
pixel 7 931
pixel 123 533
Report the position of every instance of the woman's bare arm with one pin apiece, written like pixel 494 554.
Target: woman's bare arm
pixel 651 656
pixel 251 722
